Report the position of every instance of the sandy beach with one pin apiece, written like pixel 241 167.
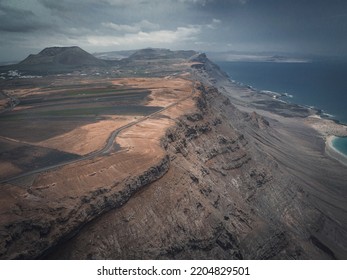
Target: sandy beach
pixel 333 152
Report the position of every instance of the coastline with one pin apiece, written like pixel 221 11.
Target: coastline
pixel 271 185
pixel 333 152
pixel 327 125
pixel 287 194
pixel 316 112
pixel 310 97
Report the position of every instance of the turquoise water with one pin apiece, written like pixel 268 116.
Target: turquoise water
pixel 340 143
pixel 321 84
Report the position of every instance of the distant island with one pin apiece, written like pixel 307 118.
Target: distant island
pixel 157 154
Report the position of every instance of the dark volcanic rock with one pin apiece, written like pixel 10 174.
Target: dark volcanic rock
pixel 72 56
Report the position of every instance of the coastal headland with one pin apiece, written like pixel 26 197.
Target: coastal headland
pixel 161 156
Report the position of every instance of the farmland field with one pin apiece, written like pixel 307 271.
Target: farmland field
pixel 64 119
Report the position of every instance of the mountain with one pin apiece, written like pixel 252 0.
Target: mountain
pixel 219 172
pixel 152 53
pixel 114 55
pixel 70 56
pixel 231 184
pixel 55 60
pixel 145 54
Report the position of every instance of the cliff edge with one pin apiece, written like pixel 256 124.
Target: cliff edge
pixel 240 186
pixel 229 181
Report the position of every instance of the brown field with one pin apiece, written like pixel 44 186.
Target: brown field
pixel 66 119
pixel 61 188
pixel 87 138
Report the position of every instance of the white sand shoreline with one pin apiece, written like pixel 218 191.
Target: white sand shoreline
pixel 333 152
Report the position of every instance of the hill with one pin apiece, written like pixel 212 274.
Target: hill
pixel 164 158
pixel 53 60
pixel 71 56
pixel 114 55
pixel 153 53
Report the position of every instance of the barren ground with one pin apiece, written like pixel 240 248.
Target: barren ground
pixel 181 165
pixel 139 139
pixel 78 116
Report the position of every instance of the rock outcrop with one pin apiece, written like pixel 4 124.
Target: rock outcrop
pixel 40 231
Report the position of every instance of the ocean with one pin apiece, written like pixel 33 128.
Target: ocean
pixel 321 84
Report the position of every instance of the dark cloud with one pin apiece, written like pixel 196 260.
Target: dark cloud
pixel 18 20
pixel 307 26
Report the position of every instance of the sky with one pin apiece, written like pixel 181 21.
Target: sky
pixel 295 26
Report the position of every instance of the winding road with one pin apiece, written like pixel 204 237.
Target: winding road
pixel 105 150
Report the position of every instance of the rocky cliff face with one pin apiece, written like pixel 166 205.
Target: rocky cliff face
pixel 233 185
pixel 225 196
pixel 40 230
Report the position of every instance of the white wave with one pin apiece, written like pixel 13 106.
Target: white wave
pixel 288 95
pixel 328 115
pixel 270 92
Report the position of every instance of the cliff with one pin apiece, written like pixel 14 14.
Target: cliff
pixel 227 184
pixel 40 230
pixel 234 190
pixel 223 197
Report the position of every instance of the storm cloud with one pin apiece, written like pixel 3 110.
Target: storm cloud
pixel 13 19
pixel 298 26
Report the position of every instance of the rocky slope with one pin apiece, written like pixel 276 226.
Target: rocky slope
pixel 231 185
pixel 239 186
pixel 41 229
